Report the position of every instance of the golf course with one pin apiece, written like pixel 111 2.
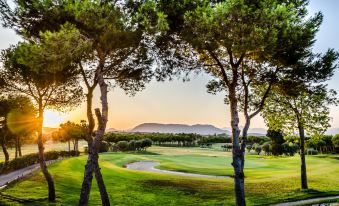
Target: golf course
pixel 268 179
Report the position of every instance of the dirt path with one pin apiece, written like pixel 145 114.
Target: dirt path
pixel 17 174
pixel 149 166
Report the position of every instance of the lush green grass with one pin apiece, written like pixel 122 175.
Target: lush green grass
pixel 268 179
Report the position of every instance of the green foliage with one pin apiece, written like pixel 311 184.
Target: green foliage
pixel 103 147
pixel 258 149
pixel 257 139
pixel 277 138
pixel 335 140
pixel 267 148
pixel 30 159
pixel 249 147
pixel 307 109
pixel 227 147
pixel 69 131
pixel 289 149
pixel 122 145
pixel 158 138
pixel 133 145
pixel 311 151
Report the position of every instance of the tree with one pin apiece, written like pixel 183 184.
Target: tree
pixel 48 82
pixel 305 110
pixel 116 54
pixel 277 138
pixel 244 45
pixel 70 131
pixel 18 114
pixel 335 140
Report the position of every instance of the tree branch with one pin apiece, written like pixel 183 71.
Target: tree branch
pixel 223 72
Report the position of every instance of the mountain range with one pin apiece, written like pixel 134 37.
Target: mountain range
pixel 202 129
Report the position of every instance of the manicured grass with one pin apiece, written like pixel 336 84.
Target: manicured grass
pixel 268 179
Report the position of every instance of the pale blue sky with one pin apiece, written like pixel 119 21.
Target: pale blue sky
pixel 189 103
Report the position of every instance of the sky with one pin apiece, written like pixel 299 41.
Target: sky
pixel 187 103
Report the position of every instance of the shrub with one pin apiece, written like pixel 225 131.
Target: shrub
pixel 249 147
pixel 30 159
pixel 131 145
pixel 122 145
pixel 335 140
pixel 146 143
pixel 267 148
pixel 227 146
pixel 311 151
pixel 289 149
pixel 103 146
pixel 257 148
pixel 257 139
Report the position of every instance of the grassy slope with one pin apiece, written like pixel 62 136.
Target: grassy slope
pixel 268 179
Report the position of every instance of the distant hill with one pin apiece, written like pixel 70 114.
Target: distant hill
pixel 332 131
pixel 203 129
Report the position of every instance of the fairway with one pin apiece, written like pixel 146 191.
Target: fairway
pixel 268 179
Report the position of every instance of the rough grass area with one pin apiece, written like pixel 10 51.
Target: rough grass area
pixel 268 179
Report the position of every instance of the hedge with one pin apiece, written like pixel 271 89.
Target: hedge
pixel 31 159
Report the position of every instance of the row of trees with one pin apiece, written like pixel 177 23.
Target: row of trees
pixel 259 53
pixel 162 139
pixel 132 145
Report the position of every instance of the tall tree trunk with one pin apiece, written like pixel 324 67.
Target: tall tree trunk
pixel 4 150
pixel 93 157
pixel 237 154
pixel 88 174
pixel 16 147
pixel 69 146
pixel 304 184
pixel 19 146
pixel 42 162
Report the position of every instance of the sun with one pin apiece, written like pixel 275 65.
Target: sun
pixel 53 118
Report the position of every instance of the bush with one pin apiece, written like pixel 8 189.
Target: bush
pixel 335 140
pixel 311 151
pixel 267 148
pixel 103 146
pixel 146 143
pixel 30 159
pixel 122 145
pixel 257 139
pixel 258 149
pixel 131 145
pixel 249 147
pixel 289 149
pixel 227 147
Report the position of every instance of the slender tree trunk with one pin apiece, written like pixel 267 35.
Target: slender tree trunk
pixel 42 162
pixel 88 174
pixel 69 146
pixel 238 155
pixel 16 148
pixel 304 184
pixel 19 146
pixel 93 157
pixel 4 150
